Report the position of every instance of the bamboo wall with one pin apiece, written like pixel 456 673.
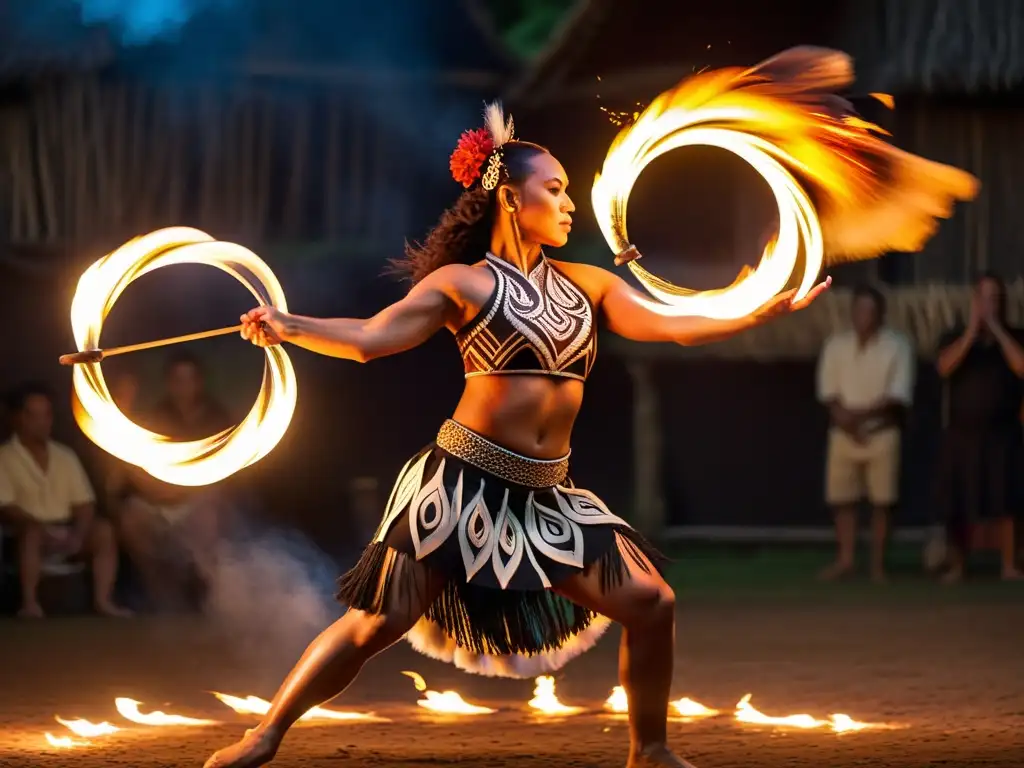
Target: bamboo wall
pixel 89 159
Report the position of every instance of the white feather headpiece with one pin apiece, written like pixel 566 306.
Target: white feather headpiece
pixel 501 130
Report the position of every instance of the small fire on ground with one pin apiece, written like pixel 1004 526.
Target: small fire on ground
pixel 253 705
pixel 683 707
pixel 445 702
pixel 545 702
pixel 839 723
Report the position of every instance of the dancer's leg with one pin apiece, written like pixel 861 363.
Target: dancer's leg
pixel 645 607
pixel 332 661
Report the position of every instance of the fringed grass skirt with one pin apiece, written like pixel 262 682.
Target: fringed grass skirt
pixel 503 529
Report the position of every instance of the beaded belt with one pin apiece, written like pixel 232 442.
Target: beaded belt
pixel 471 448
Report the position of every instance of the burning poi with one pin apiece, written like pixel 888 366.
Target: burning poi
pixel 487 555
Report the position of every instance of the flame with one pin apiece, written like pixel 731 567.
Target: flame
pixel 253 705
pixel 87 729
pixel 63 742
pixel 688 708
pixel 446 702
pixel 839 723
pixel 617 702
pixel 885 98
pixel 189 463
pixel 129 710
pixel 783 117
pixel 546 702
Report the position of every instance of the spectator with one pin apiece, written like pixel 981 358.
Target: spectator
pixel 982 364
pixel 152 513
pixel 49 505
pixel 866 380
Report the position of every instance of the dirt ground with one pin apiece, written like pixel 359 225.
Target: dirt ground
pixel 949 674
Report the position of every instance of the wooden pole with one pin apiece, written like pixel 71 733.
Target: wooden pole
pixel 648 489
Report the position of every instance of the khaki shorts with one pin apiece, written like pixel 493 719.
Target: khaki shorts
pixel 869 470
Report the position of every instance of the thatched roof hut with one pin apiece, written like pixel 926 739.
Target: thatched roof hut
pixel 947 47
pixel 268 120
pixel 58 47
pixel 937 47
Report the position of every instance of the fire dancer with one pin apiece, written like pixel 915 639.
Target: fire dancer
pixel 488 556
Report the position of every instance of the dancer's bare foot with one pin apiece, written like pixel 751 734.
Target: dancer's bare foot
pixel 113 610
pixel 836 571
pixel 879 576
pixel 254 749
pixel 31 611
pixel 657 756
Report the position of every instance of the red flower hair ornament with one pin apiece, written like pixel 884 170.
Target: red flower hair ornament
pixel 480 146
pixel 472 151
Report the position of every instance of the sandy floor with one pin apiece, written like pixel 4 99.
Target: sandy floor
pixel 951 674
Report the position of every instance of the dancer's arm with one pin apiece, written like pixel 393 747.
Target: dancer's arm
pixel 403 325
pixel 636 317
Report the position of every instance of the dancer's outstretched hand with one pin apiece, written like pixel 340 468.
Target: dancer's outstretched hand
pixel 264 326
pixel 783 304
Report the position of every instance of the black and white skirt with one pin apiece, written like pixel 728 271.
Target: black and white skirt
pixel 503 529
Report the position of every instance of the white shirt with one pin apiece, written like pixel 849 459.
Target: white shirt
pixel 48 495
pixel 6 490
pixel 859 377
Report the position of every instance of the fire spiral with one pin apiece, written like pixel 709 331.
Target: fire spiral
pixel 188 463
pixel 843 193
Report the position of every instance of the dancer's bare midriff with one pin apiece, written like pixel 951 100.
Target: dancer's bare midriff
pixel 531 414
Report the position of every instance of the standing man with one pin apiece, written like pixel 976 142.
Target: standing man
pixel 866 380
pixel 982 364
pixel 49 504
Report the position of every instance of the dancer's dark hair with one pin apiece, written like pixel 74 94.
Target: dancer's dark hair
pixel 463 233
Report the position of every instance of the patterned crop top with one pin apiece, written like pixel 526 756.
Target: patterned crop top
pixel 542 324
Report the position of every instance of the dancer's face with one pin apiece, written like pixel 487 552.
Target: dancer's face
pixel 545 209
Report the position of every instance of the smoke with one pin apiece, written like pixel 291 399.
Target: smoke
pixel 139 22
pixel 272 593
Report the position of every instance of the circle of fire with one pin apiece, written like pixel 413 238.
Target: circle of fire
pixel 195 462
pixel 669 123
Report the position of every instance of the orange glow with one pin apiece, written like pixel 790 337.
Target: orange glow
pixel 253 705
pixel 545 701
pixel 86 729
pixel 746 713
pixel 129 710
pixel 64 742
pixel 445 702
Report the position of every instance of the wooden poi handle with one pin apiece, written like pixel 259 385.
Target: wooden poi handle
pixel 96 355
pixel 628 255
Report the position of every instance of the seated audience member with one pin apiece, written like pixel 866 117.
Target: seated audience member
pixel 48 504
pixel 153 514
